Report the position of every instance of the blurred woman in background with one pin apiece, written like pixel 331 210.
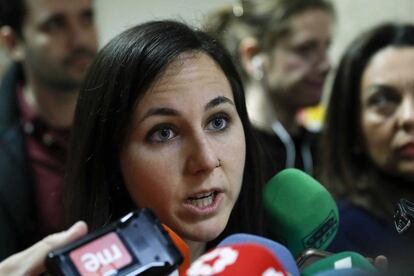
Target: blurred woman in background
pixel 281 49
pixel 368 141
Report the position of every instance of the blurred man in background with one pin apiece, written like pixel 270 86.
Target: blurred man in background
pixel 51 43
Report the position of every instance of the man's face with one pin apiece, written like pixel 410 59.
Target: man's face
pixel 58 42
pixel 299 63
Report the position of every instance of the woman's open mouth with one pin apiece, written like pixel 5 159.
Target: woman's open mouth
pixel 204 203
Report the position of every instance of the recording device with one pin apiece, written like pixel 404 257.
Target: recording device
pixel 237 259
pixel 345 272
pixel 339 262
pixel 137 244
pixel 277 249
pixel 403 215
pixel 182 247
pixel 303 212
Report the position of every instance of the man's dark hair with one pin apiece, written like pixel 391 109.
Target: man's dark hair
pixel 12 13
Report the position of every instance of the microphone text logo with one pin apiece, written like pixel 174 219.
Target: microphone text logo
pixel 103 256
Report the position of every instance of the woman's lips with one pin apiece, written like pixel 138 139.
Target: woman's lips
pixel 205 203
pixel 407 151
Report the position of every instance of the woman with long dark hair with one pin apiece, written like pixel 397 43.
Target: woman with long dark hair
pixel 103 181
pixel 368 161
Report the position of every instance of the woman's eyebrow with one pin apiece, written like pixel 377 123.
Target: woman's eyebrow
pixel 166 111
pixel 160 111
pixel 217 101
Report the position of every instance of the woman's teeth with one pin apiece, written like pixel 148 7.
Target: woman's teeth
pixel 203 200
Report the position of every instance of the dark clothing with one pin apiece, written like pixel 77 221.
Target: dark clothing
pixel 46 150
pixel 17 212
pixel 301 149
pixel 23 190
pixel 361 232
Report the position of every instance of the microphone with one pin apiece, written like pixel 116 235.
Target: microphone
pixel 341 262
pixel 344 272
pixel 237 259
pixel 278 250
pixel 182 247
pixel 304 213
pixel 135 244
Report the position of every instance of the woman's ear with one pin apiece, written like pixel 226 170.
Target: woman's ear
pixel 251 58
pixel 10 40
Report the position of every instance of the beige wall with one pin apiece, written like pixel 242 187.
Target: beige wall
pixel 355 16
pixel 114 16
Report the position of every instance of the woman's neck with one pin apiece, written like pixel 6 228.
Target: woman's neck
pixel 379 192
pixel 264 112
pixel 196 249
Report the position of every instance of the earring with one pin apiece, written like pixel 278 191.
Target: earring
pixel 219 163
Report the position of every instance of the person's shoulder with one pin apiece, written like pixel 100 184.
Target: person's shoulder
pixel 349 210
pixel 12 74
pixel 8 100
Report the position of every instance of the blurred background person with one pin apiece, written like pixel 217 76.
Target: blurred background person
pixel 52 44
pixel 281 47
pixel 368 142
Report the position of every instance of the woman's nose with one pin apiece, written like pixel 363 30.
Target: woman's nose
pixel 406 114
pixel 202 155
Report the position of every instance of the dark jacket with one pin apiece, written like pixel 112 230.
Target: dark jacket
pixel 302 149
pixel 17 212
pixel 362 232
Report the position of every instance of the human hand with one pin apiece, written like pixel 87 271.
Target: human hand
pixel 31 261
pixel 380 262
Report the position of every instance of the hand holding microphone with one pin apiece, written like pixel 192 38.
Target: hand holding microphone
pixel 31 260
pixel 135 244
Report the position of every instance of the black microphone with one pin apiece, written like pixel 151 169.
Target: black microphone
pixel 135 244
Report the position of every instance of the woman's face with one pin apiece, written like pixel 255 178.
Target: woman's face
pixel 181 128
pixel 387 110
pixel 299 62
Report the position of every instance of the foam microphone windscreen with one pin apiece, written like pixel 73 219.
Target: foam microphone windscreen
pixel 182 247
pixel 237 259
pixel 345 272
pixel 303 213
pixel 278 250
pixel 340 262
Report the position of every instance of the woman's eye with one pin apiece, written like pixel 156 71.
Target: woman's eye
pixel 382 99
pixel 218 123
pixel 385 102
pixel 162 134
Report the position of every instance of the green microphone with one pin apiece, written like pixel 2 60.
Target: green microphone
pixel 339 261
pixel 303 213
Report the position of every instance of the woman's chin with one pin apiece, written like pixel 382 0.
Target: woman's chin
pixel 406 170
pixel 202 232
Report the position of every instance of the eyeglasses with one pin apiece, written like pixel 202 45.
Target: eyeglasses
pixel 403 215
